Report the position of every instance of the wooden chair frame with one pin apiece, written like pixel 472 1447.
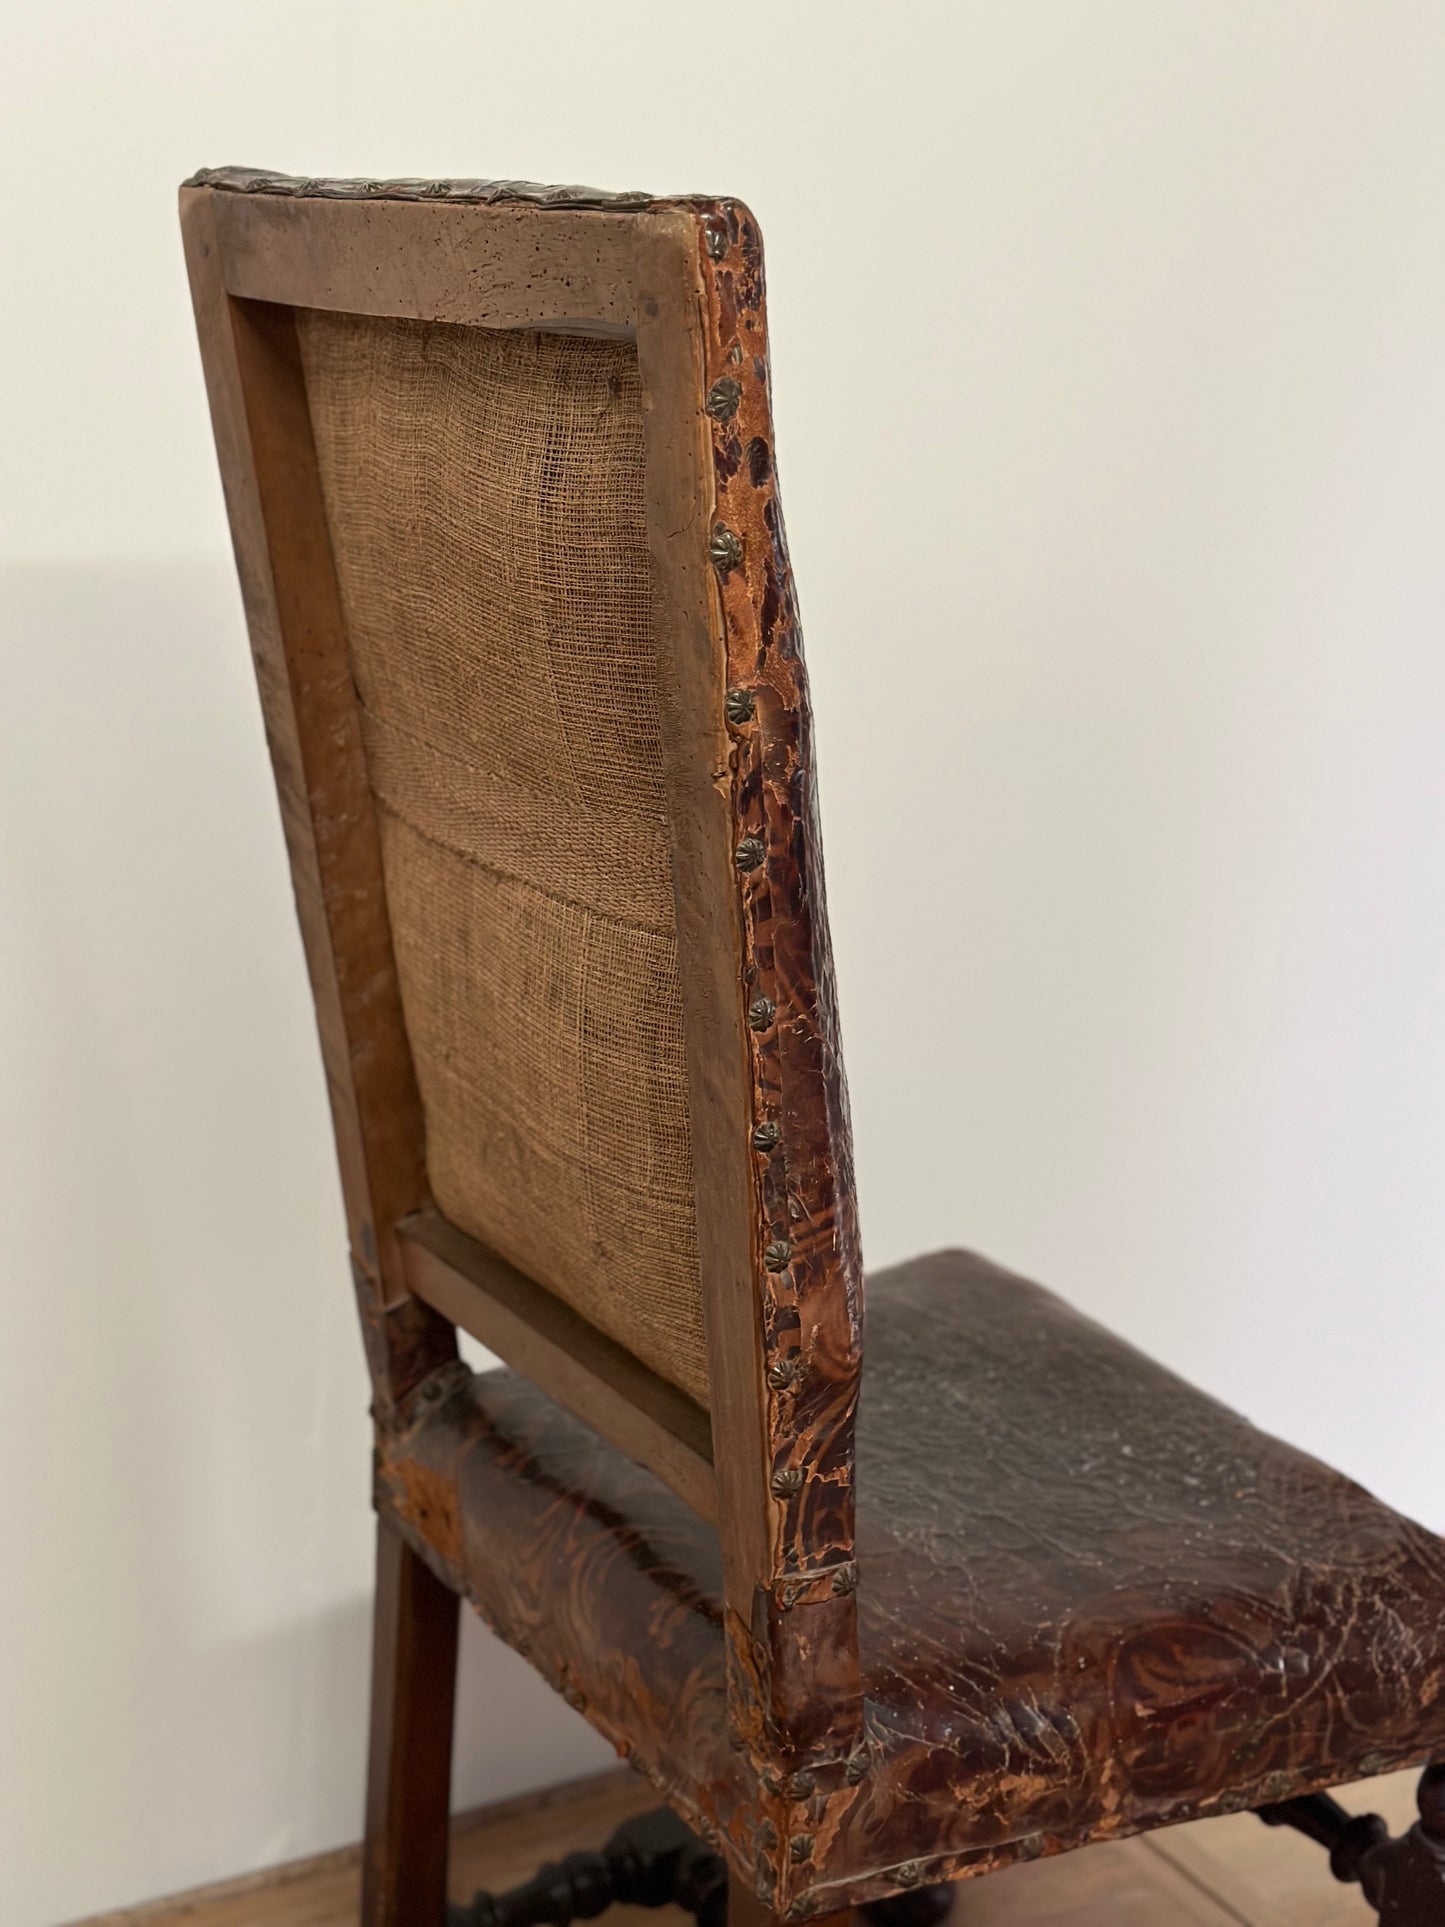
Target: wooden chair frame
pixel 772 1462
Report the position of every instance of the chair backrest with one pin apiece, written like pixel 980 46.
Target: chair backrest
pixel 484 492
pixel 499 466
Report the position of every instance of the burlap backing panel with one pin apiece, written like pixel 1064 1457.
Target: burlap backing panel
pixel 484 493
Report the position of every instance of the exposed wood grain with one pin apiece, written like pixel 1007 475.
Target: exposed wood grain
pixel 413 1686
pixel 433 261
pixel 544 1339
pixel 341 894
pixel 283 556
pixel 273 492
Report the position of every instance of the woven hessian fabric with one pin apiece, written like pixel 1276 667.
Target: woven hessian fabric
pixel 484 495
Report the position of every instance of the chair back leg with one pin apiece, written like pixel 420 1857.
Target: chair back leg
pixel 413 1692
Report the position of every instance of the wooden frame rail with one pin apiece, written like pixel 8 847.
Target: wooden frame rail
pixel 547 1342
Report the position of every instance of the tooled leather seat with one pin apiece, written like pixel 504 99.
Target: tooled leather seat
pixel 1084 1588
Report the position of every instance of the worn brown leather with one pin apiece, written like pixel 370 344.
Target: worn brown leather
pixel 812 1307
pixel 1100 1596
pixel 1090 1598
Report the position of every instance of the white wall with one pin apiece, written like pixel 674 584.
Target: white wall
pixel 1109 359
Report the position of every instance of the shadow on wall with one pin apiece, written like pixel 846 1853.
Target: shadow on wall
pixel 181 1377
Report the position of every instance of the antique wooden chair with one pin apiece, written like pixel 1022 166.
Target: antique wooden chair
pixel 500 473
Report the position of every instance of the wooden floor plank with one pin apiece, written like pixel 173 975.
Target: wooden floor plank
pixel 498 1847
pixel 1118 1883
pixel 1275 1877
pixel 492 1856
pixel 1232 1872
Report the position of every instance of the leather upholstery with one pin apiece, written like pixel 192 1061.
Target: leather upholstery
pixel 1090 1598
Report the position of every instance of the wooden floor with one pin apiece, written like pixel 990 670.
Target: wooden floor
pixel 1218 1873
